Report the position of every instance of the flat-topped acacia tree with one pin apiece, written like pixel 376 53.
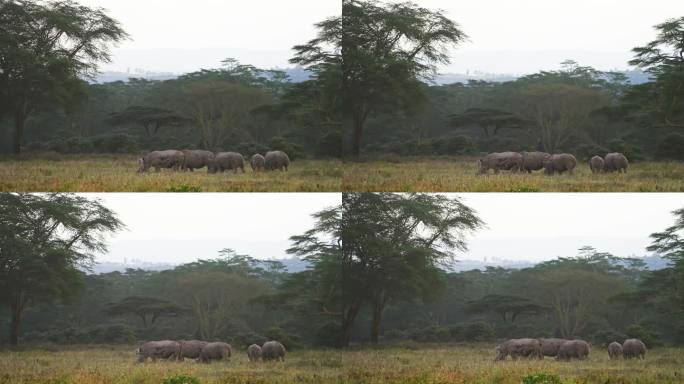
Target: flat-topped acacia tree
pixel 46 50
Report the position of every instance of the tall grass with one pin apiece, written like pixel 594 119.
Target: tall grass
pixel 460 175
pixel 118 174
pixel 466 363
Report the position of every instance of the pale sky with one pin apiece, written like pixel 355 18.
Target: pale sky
pixel 179 228
pixel 525 36
pixel 181 36
pixel 536 227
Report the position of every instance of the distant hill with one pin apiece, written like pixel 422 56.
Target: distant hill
pixel 292 265
pixel 634 76
pixel 296 75
pixel 653 263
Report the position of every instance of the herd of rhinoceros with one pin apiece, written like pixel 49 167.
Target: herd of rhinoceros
pixel 189 160
pixel 552 164
pixel 206 352
pixel 565 350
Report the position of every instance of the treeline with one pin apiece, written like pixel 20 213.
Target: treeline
pixel 47 104
pixel 227 298
pixel 45 296
pixel 393 106
pixel 397 285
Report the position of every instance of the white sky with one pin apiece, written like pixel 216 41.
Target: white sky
pixel 525 36
pixel 513 37
pixel 178 228
pixel 531 226
pixel 181 35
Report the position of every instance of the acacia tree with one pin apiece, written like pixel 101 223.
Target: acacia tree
pixel 393 245
pixel 664 59
pixel 148 309
pixel 45 50
pixel 385 49
pixel 44 239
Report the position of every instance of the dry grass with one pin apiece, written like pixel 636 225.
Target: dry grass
pixel 431 364
pixel 459 175
pixel 61 173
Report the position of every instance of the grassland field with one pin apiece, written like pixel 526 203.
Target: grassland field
pixel 118 173
pixel 459 174
pixel 464 363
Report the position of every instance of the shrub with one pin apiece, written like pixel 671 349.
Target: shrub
pixel 478 331
pixel 457 145
pixel 632 152
pixel 541 378
pixel 289 341
pixel 584 152
pixel 329 145
pixel 181 379
pixel 293 151
pixel 638 331
pixel 248 338
pixel 607 336
pixel 248 149
pixel 671 146
pixel 328 334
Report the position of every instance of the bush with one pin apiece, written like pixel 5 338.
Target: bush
pixel 541 378
pixel 671 146
pixel 637 331
pixel 607 336
pixel 632 152
pixel 181 379
pixel 330 145
pixel 431 333
pixel 293 151
pixel 289 341
pixel 249 338
pixel 248 149
pixel 328 334
pixel 457 145
pixel 584 152
pixel 478 331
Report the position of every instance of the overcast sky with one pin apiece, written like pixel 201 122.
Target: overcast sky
pixel 181 36
pixel 506 36
pixel 531 226
pixel 177 228
pixel 525 36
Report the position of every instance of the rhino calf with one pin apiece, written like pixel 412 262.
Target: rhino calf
pixel 560 164
pixel 634 349
pixel 614 350
pixel 257 162
pixel 517 348
pixel 254 352
pixel 164 349
pixel 573 349
pixel 616 162
pixel 533 161
pixel 191 348
pixel 228 161
pixel 500 161
pixel 596 164
pixel 276 160
pixel 169 159
pixel 215 351
pixel 273 350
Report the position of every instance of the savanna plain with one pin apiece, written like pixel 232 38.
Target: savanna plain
pixel 118 173
pixel 444 174
pixel 462 363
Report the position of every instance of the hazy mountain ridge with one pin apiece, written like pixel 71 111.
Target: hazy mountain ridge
pixel 295 74
pixel 634 76
pixel 294 265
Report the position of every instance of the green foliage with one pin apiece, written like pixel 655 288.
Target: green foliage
pixel 184 188
pixel 181 379
pixel 671 146
pixel 293 151
pixel 116 143
pixel 328 334
pixel 291 342
pixel 542 378
pixel 638 331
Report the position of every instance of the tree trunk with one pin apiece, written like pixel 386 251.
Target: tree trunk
pixel 348 323
pixel 19 122
pixel 378 309
pixel 16 307
pixel 358 133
